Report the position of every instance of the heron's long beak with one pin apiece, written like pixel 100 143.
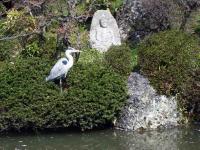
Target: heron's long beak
pixel 77 51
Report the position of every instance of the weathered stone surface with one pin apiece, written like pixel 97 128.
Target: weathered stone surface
pixel 138 18
pixel 104 31
pixel 145 109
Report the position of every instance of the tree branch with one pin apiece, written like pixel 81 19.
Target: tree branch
pixel 17 36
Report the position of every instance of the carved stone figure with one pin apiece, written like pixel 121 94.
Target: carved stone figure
pixel 104 31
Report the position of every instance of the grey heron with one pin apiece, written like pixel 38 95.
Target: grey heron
pixel 62 66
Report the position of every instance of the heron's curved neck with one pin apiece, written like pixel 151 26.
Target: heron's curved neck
pixel 70 59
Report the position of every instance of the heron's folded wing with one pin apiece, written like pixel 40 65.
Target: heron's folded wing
pixel 59 69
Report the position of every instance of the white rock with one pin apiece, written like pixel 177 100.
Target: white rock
pixel 104 31
pixel 148 109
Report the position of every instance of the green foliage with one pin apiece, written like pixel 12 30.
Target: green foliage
pixel 49 46
pixel 134 57
pixel 18 22
pixel 1 27
pixel 89 56
pixel 190 96
pixel 79 37
pixel 7 49
pixel 170 59
pixel 93 99
pixel 57 8
pixel 112 4
pixel 94 93
pixel 98 94
pixel 120 59
pixel 2 65
pixel 167 58
pixel 23 89
pixel 2 9
pixel 31 50
pixel 197 26
pixel 52 28
pixel 85 5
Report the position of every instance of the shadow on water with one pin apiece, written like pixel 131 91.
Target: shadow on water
pixel 172 139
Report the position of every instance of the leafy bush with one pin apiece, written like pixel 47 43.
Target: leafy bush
pixel 134 57
pixel 120 58
pixel 31 50
pixel 191 95
pixel 197 26
pixel 4 51
pixel 7 49
pixel 91 56
pixel 79 36
pixel 97 93
pixel 93 99
pixel 49 47
pixel 167 58
pixel 19 22
pixel 113 5
pixel 35 49
pixel 85 5
pixel 2 9
pixel 170 60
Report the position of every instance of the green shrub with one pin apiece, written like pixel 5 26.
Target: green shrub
pixel 49 47
pixel 7 49
pixel 93 99
pixel 197 26
pixel 79 36
pixel 90 56
pixel 35 49
pixel 31 50
pixel 171 60
pixel 85 5
pixel 2 65
pixel 167 58
pixel 4 51
pixel 2 8
pixel 134 57
pixel 98 94
pixel 18 22
pixel 120 59
pixel 190 96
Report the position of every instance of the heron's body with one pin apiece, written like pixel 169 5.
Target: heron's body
pixel 61 68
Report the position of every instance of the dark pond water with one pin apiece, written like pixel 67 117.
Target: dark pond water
pixel 171 139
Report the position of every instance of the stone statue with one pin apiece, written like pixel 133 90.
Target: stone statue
pixel 104 31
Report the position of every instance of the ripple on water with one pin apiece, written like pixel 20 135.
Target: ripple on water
pixel 172 139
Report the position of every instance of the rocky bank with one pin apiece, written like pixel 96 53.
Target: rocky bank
pixel 145 109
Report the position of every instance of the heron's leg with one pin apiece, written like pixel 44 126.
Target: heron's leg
pixel 77 56
pixel 61 85
pixel 66 85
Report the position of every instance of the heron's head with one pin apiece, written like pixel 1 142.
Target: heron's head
pixel 71 50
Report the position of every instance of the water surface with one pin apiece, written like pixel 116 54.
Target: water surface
pixel 171 139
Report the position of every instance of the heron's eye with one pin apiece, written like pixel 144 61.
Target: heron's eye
pixel 64 62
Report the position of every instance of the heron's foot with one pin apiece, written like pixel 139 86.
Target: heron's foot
pixel 65 84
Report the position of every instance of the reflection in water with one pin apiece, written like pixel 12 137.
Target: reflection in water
pixel 173 139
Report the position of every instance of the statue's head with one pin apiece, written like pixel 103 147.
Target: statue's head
pixel 103 23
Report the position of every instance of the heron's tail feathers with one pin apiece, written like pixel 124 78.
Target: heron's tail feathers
pixel 47 79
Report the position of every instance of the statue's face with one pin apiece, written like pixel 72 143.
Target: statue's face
pixel 103 23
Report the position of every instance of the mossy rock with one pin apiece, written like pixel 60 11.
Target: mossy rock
pixel 170 59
